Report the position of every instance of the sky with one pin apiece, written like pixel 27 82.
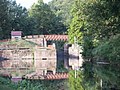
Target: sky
pixel 28 3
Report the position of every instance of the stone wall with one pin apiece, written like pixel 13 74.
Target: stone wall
pixel 40 58
pixel 75 57
pixel 21 57
pixel 45 59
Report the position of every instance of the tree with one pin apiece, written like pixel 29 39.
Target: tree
pixel 19 18
pixel 94 23
pixel 62 9
pixel 47 22
pixel 13 17
pixel 4 19
pixel 76 83
pixel 108 53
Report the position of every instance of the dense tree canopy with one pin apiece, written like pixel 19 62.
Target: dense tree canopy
pixel 62 8
pixel 96 25
pixel 4 18
pixel 47 22
pixel 39 19
pixel 13 17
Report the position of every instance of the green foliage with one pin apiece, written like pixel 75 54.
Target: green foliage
pixel 4 18
pixel 38 20
pixel 47 22
pixel 95 23
pixel 4 87
pixel 77 26
pixel 14 17
pixel 76 83
pixel 109 52
pixel 18 16
pixel 83 80
pixel 34 84
pixel 62 9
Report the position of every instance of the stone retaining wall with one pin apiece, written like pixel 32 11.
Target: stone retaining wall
pixel 42 59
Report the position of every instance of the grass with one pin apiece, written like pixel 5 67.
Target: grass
pixel 6 84
pixel 4 87
pixel 21 43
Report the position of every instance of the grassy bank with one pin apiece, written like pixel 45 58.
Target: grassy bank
pixel 6 84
